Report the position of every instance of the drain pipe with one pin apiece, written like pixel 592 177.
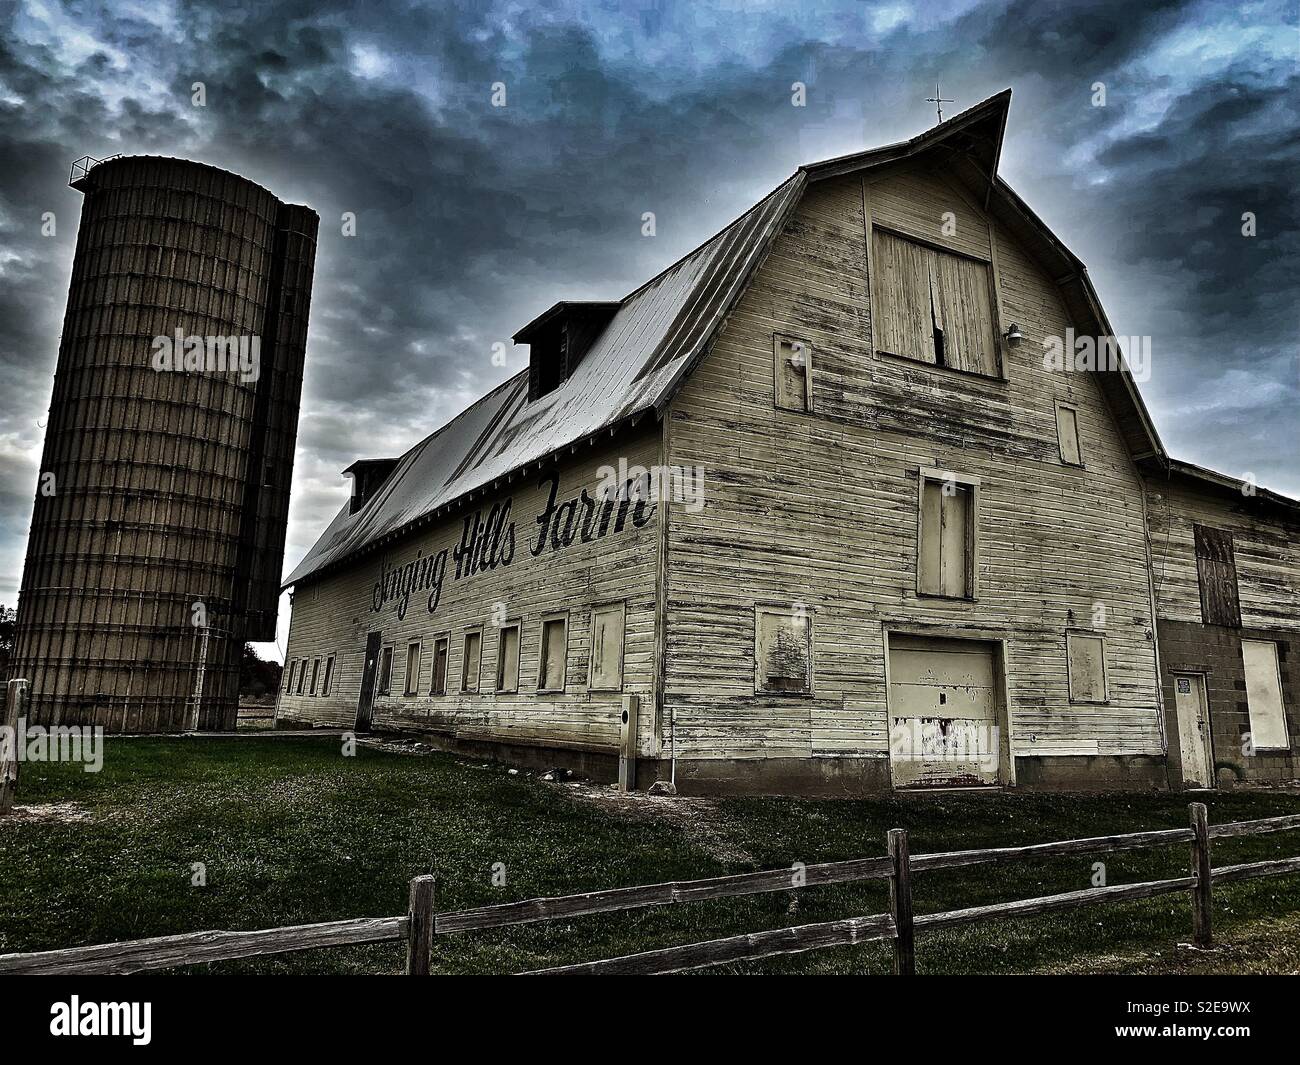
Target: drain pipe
pixel 672 743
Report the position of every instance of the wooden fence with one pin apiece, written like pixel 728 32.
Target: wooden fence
pixel 422 922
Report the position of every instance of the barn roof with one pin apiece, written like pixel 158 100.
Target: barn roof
pixel 658 333
pixel 629 372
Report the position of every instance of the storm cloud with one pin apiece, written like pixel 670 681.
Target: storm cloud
pixel 472 218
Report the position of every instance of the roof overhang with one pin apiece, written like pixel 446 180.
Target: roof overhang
pixel 566 309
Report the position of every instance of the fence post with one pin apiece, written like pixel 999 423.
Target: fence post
pixel 419 936
pixel 900 903
pixel 15 696
pixel 1200 870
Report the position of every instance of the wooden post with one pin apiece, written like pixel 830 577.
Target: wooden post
pixel 1200 870
pixel 15 698
pixel 900 903
pixel 419 937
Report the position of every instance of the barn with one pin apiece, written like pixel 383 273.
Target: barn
pixel 847 499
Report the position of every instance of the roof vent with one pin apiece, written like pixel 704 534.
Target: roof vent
pixel 559 340
pixel 367 476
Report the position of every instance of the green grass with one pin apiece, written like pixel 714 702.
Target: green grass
pixel 290 832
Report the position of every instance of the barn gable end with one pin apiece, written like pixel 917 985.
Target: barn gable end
pixel 819 512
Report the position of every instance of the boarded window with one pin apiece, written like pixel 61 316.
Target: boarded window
pixel 1264 695
pixel 783 651
pixel 315 675
pixel 439 685
pixel 328 682
pixel 554 655
pixel 469 665
pixel 1086 663
pixel 932 306
pixel 385 670
pixel 793 370
pixel 288 683
pixel 412 669
pixel 1067 435
pixel 1216 570
pixel 947 552
pixel 607 648
pixel 302 674
pixel 508 660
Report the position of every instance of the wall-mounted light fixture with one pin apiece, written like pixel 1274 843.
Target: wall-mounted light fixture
pixel 1014 335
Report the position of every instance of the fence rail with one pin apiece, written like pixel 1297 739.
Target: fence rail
pixel 421 923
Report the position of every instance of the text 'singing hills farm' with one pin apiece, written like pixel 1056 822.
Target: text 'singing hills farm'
pixel 916 552
pixel 158 533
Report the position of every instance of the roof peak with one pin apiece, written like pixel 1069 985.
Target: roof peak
pixel 977 132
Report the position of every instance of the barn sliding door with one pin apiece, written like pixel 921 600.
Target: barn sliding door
pixel 945 712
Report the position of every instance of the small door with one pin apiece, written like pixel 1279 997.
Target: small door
pixel 373 642
pixel 1193 730
pixel 945 711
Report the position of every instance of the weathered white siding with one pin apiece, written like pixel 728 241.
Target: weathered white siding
pixel 821 509
pixel 333 614
pixel 1267 550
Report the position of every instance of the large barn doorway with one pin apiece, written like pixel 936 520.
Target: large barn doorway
pixel 945 712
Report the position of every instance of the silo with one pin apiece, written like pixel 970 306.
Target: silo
pixel 158 530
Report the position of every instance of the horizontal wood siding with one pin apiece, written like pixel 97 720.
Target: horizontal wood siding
pixel 1265 546
pixel 333 615
pixel 820 510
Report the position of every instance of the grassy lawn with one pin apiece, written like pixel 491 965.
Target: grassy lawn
pixel 291 832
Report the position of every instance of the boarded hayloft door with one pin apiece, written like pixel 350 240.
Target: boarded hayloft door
pixel 373 643
pixel 945 712
pixel 1193 730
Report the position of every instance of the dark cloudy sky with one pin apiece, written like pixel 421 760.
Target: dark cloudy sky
pixel 472 218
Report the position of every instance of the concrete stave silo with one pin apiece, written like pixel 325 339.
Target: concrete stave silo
pixel 157 553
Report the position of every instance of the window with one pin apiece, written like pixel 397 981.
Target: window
pixel 793 372
pixel 302 674
pixel 385 670
pixel 554 656
pixel 508 659
pixel 1216 571
pixel 947 542
pixel 931 305
pixel 607 648
pixel 1086 662
pixel 439 685
pixel 412 668
pixel 1067 435
pixel 1264 695
pixel 315 676
pixel 288 677
pixel 471 660
pixel 783 650
pixel 329 676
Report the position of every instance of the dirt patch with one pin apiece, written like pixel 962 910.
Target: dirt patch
pixel 700 820
pixel 59 813
pixel 1263 947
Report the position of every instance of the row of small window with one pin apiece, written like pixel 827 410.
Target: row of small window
pixel 783 645
pixel 300 669
pixel 783 655
pixel 605 672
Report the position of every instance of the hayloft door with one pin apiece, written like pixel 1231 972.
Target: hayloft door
pixel 1193 730
pixel 364 704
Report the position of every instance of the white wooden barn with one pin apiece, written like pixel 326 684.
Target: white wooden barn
pixel 884 541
